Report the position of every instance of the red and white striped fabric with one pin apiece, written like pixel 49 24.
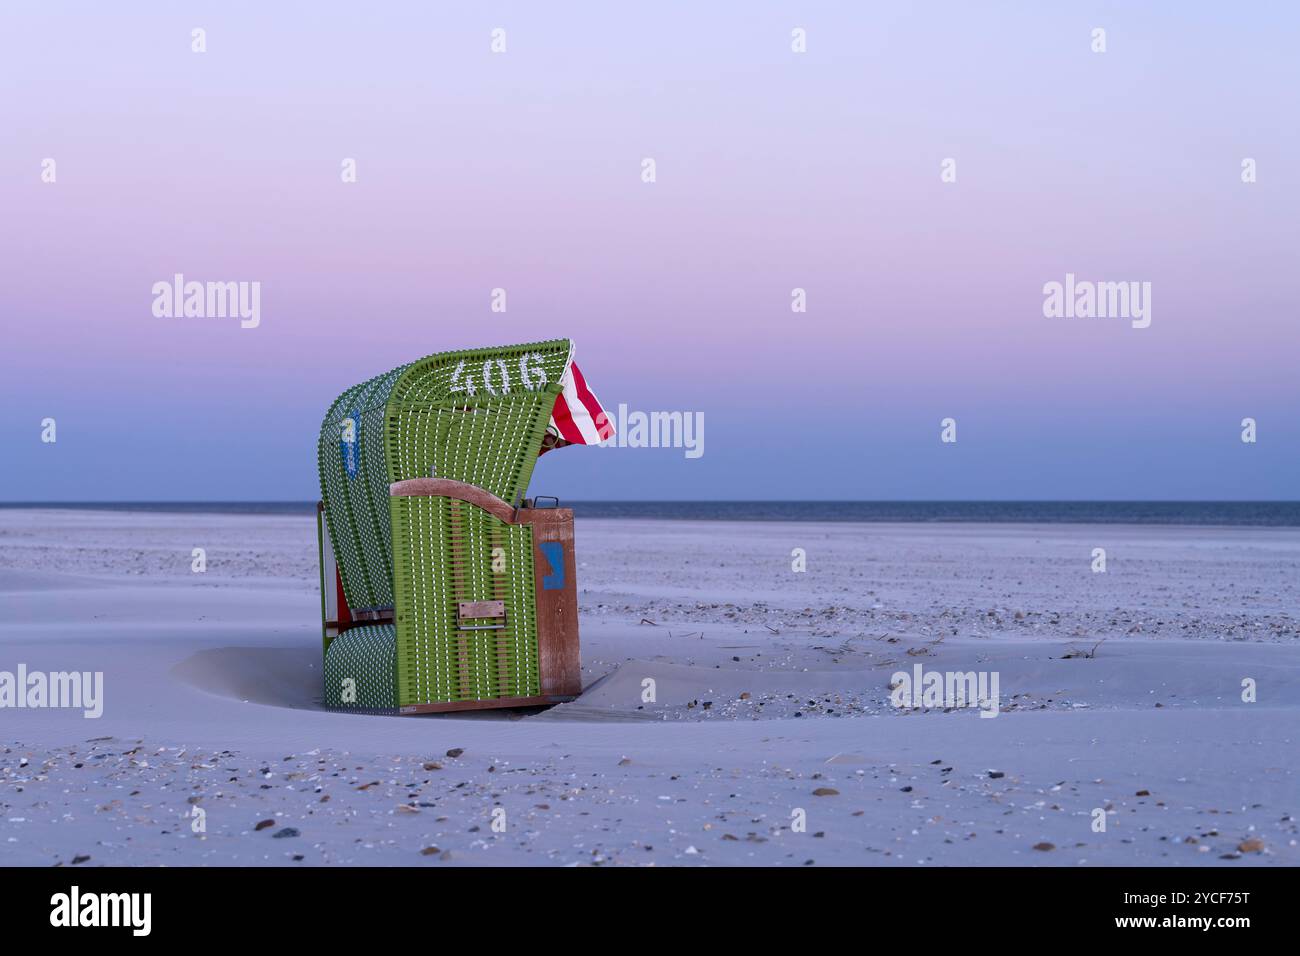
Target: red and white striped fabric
pixel 578 417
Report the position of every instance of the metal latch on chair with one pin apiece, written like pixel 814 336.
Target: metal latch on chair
pixel 480 610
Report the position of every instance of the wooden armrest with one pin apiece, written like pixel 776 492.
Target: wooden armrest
pixel 460 490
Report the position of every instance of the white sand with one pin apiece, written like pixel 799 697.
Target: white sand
pixel 212 701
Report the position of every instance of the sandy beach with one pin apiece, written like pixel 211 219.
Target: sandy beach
pixel 771 739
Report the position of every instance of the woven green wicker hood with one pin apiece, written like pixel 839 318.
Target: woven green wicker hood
pixel 477 416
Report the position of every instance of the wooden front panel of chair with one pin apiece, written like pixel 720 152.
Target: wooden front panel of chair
pixel 555 574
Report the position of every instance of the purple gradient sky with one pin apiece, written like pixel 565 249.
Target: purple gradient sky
pixel 775 170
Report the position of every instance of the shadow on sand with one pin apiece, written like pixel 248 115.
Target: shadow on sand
pixel 289 677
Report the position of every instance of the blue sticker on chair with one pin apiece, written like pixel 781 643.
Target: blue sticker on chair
pixel 553 551
pixel 348 443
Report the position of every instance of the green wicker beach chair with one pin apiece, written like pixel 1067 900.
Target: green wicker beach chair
pixel 443 571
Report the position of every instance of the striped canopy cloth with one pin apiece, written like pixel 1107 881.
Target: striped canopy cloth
pixel 578 417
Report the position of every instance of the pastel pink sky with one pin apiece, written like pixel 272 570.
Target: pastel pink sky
pixel 775 171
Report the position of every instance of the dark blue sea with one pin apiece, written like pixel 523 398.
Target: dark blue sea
pixel 1255 513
